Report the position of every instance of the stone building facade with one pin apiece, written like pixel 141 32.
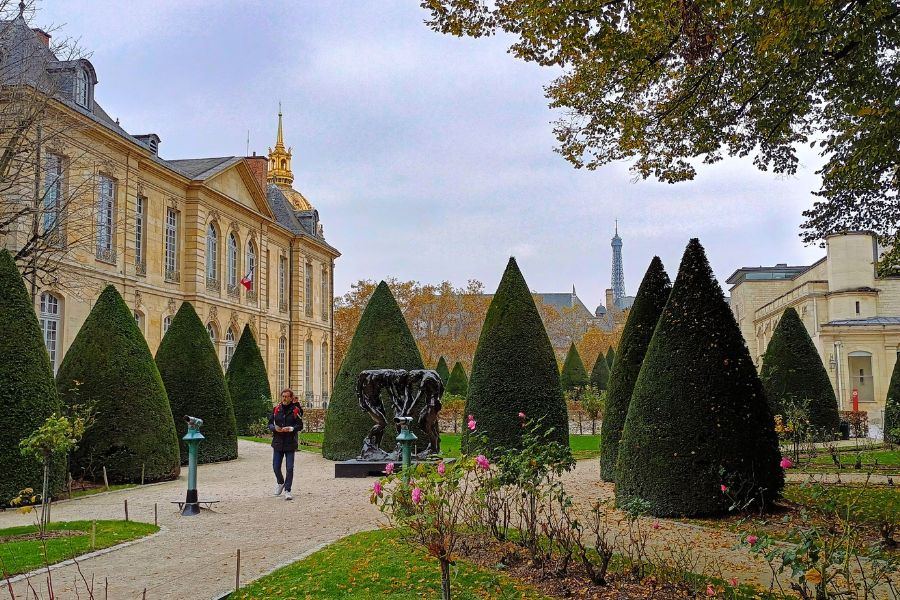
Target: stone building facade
pixel 851 314
pixel 165 232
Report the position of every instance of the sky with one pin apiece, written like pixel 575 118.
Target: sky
pixel 429 157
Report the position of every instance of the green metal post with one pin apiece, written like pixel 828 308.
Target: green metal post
pixel 192 437
pixel 406 438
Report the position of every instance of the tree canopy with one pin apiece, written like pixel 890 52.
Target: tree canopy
pixel 600 373
pixel 248 383
pixel 670 85
pixel 573 375
pixel 458 384
pixel 443 370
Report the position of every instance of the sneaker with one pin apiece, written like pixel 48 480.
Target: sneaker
pixel 278 488
pixel 287 495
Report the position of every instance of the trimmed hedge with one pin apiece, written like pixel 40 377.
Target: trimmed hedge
pixel 132 430
pixel 382 341
pixel 648 305
pixel 892 407
pixel 514 370
pixel 458 385
pixel 698 417
pixel 792 371
pixel 573 375
pixel 248 383
pixel 600 373
pixel 610 358
pixel 196 385
pixel 443 370
pixel 27 392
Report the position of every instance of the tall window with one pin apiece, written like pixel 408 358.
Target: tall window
pixel 282 282
pixel 167 322
pixel 140 226
pixel 325 294
pixel 50 325
pixel 282 362
pixel 229 346
pixel 324 365
pixel 309 290
pixel 139 319
pixel 308 370
pixel 53 181
pixel 81 87
pixel 171 244
pixel 212 254
pixel 231 261
pixel 105 203
pixel 251 264
pixel 211 330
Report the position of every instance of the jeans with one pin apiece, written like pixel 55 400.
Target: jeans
pixel 277 457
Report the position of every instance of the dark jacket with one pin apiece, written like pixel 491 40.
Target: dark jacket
pixel 286 416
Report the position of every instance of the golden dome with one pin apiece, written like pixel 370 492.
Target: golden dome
pixel 296 199
pixel 280 173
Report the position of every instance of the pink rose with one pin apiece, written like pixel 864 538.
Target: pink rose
pixel 389 468
pixel 733 581
pixel 416 495
pixel 655 525
pixel 710 590
pixel 786 463
pixel 482 461
pixel 442 468
pixel 724 488
pixel 521 415
pixel 752 539
pixel 377 488
pixel 471 424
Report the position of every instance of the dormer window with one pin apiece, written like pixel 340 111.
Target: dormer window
pixel 82 95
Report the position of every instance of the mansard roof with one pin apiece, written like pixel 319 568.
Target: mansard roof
pixel 304 223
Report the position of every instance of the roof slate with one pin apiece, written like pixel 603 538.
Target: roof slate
pixel 870 321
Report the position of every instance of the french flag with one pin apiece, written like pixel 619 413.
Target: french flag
pixel 247 280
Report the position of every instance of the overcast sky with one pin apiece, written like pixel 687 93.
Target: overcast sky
pixel 428 157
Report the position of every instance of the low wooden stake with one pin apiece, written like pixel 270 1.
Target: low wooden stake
pixel 126 509
pixel 105 479
pixel 155 517
pixel 106 588
pixel 142 473
pixel 94 536
pixel 237 572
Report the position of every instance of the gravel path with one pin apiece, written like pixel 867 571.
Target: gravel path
pixel 195 557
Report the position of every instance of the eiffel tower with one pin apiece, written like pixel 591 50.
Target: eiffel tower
pixel 618 272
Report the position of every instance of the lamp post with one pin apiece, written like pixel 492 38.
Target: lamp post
pixel 406 438
pixel 192 437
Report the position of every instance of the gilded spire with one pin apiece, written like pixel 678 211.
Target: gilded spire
pixel 280 160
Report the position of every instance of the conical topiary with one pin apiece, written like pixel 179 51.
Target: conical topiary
pixel 196 385
pixel 248 383
pixel 573 375
pixel 600 373
pixel 443 370
pixel 648 305
pixel 892 408
pixel 514 370
pixel 27 392
pixel 610 358
pixel 132 433
pixel 793 373
pixel 382 341
pixel 698 418
pixel 458 385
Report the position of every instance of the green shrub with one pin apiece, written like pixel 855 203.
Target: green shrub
pixel 443 370
pixel 458 384
pixel 648 305
pixel 698 418
pixel 196 385
pixel 514 370
pixel 792 371
pixel 132 429
pixel 573 376
pixel 892 408
pixel 600 372
pixel 382 341
pixel 610 358
pixel 248 383
pixel 27 392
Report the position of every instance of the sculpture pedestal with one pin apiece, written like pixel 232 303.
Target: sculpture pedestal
pixel 373 468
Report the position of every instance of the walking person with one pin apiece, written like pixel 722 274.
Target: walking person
pixel 285 423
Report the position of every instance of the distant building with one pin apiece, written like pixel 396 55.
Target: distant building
pixel 852 315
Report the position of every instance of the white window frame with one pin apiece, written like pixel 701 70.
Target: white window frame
pixel 53 189
pixel 308 374
pixel 171 241
pixel 231 260
pixel 308 290
pixel 140 229
pixel 212 252
pixel 82 88
pixel 282 363
pixel 324 368
pixel 282 281
pixel 50 311
pixel 229 346
pixel 166 323
pixel 325 294
pixel 106 201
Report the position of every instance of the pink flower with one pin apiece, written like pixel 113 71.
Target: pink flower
pixel 752 539
pixel 471 424
pixel 482 461
pixel 655 525
pixel 786 463
pixel 724 488
pixel 442 468
pixel 733 581
pixel 710 590
pixel 389 468
pixel 377 488
pixel 416 495
pixel 521 415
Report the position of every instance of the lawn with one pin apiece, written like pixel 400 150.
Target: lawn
pixel 377 564
pixel 21 556
pixel 868 458
pixel 866 505
pixel 96 490
pixel 583 446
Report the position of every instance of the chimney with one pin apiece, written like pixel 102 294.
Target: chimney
pixel 42 35
pixel 258 166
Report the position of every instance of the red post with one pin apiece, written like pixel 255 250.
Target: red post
pixel 855 400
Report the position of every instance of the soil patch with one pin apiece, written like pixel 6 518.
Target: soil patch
pixel 35 535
